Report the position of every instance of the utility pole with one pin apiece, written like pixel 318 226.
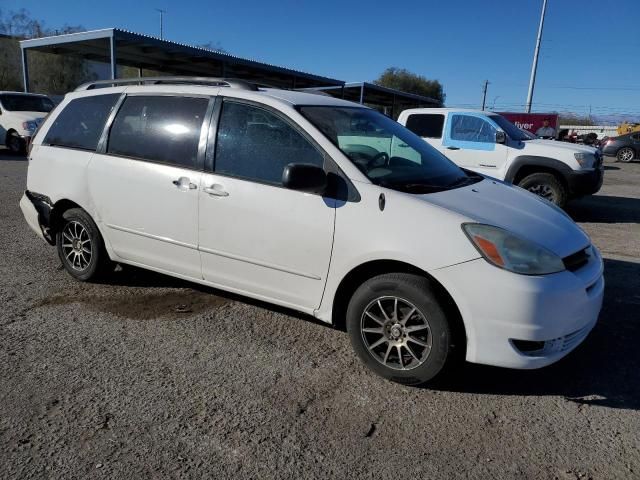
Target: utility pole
pixel 484 93
pixel 534 67
pixel 162 12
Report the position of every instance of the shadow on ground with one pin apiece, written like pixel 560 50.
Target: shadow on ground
pixel 7 155
pixel 605 209
pixel 602 371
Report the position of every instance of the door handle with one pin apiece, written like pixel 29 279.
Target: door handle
pixel 184 183
pixel 216 190
pixel 453 148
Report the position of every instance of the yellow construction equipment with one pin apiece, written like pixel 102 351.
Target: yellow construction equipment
pixel 625 128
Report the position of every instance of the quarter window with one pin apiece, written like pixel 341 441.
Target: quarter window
pixel 161 129
pixel 255 144
pixel 81 122
pixel 472 129
pixel 426 125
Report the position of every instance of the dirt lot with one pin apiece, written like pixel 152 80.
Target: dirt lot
pixel 145 376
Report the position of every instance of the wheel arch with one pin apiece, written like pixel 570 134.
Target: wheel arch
pixel 528 164
pixel 361 273
pixel 57 210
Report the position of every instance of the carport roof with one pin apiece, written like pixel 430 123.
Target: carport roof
pixel 364 92
pixel 144 51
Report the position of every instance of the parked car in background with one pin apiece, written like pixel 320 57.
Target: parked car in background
pixel 320 205
pixel 20 116
pixel 489 144
pixel 625 148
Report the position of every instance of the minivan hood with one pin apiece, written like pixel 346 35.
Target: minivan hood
pixel 496 203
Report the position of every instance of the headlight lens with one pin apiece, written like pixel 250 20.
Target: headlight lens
pixel 29 125
pixel 586 160
pixel 510 252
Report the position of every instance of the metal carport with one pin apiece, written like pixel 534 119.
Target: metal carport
pixel 123 48
pixel 389 100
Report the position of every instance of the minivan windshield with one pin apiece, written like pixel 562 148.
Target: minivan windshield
pixel 26 103
pixel 509 128
pixel 386 152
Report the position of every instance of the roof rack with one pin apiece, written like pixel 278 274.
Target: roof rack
pixel 212 81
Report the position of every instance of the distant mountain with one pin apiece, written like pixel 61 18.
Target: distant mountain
pixel 615 119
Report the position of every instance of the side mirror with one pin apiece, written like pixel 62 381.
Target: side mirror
pixel 501 137
pixel 304 178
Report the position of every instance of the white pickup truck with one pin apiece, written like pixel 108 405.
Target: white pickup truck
pixel 489 144
pixel 20 115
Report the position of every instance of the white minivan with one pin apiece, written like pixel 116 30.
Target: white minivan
pixel 488 143
pixel 20 116
pixel 316 204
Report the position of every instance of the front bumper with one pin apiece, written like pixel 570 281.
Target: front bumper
pixel 502 311
pixel 585 182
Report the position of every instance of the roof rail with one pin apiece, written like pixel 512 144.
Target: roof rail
pixel 213 81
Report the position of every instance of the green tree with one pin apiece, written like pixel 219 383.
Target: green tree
pixel 406 81
pixel 51 74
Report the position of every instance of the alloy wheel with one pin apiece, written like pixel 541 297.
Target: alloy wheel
pixel 626 154
pixel 396 333
pixel 76 245
pixel 542 190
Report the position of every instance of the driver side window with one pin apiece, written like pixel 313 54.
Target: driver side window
pixel 468 128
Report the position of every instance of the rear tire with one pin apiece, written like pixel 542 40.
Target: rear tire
pixel 399 329
pixel 80 246
pixel 625 154
pixel 547 186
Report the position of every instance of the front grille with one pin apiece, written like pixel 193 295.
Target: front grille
pixel 577 260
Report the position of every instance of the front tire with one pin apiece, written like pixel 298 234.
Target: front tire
pixel 625 154
pixel 547 186
pixel 15 144
pixel 80 246
pixel 399 329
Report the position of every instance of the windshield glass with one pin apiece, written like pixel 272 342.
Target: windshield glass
pixel 26 103
pixel 509 128
pixel 385 151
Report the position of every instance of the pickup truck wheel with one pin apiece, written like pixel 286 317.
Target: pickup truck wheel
pixel 398 328
pixel 14 143
pixel 80 246
pixel 547 186
pixel 625 154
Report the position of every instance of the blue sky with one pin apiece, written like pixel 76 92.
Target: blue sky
pixel 589 56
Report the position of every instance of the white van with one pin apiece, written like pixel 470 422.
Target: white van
pixel 489 144
pixel 319 205
pixel 20 115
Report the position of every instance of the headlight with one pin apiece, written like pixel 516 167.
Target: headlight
pixel 29 125
pixel 505 250
pixel 586 160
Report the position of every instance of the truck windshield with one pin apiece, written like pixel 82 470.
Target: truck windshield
pixel 386 152
pixel 26 103
pixel 509 128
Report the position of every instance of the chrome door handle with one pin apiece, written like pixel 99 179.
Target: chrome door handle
pixel 216 190
pixel 185 183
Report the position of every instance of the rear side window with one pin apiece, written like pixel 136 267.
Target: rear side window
pixel 427 125
pixel 161 129
pixel 472 129
pixel 81 122
pixel 256 145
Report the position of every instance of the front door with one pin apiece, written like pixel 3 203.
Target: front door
pixel 257 237
pixel 145 185
pixel 470 141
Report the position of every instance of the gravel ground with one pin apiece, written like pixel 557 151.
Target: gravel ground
pixel 145 376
